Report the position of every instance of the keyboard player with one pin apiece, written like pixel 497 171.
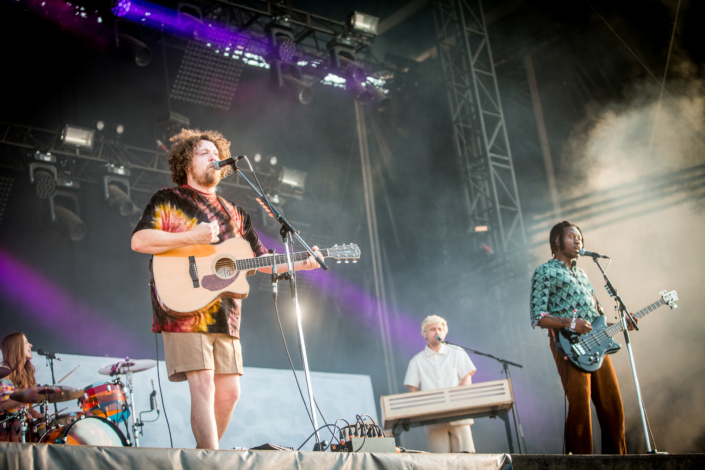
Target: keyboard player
pixel 442 366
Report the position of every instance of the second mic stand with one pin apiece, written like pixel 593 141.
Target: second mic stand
pixel 50 360
pixel 288 233
pixel 624 314
pixel 505 366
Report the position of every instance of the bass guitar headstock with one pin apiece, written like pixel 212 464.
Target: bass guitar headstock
pixel 670 298
pixel 345 253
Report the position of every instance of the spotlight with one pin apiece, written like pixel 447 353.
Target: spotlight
pixel 133 47
pixel 99 125
pixel 44 157
pixel 286 76
pixel 120 8
pixel 43 177
pixel 77 137
pixel 363 23
pixel 295 180
pixel 287 80
pixel 119 129
pixel 65 219
pixel 342 53
pixel 257 158
pixel 117 193
pixel 272 160
pixel 356 83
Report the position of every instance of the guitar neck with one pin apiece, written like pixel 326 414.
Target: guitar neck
pixel 266 261
pixel 617 327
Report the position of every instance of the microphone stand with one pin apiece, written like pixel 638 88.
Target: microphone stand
pixel 288 233
pixel 50 361
pixel 515 410
pixel 624 313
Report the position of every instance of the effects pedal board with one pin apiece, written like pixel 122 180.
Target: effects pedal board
pixel 369 444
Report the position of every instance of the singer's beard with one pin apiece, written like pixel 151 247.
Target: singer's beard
pixel 208 178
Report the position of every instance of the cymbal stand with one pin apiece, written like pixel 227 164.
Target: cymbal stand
pixel 136 425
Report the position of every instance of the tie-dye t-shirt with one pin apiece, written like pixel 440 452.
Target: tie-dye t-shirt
pixel 6 389
pixel 182 209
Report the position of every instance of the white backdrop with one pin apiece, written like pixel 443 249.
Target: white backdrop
pixel 269 410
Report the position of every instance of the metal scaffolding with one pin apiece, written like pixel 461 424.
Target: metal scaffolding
pixel 479 127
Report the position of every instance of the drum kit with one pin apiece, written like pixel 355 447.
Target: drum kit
pixel 104 405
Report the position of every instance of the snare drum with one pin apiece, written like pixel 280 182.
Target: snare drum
pixel 66 418
pixel 88 431
pixel 105 400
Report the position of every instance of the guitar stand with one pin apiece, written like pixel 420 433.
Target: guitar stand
pixel 624 314
pixel 288 233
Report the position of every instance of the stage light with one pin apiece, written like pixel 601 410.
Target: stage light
pixel 119 129
pixel 272 160
pixel 257 158
pixel 294 180
pixel 363 23
pixel 117 194
pixel 44 157
pixel 120 8
pixel 482 228
pixel 342 53
pixel 118 170
pixel 286 76
pixel 135 48
pixel 78 137
pixel 43 177
pixel 65 219
pixel 99 125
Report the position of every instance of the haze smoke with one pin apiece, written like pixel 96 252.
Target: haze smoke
pixel 645 211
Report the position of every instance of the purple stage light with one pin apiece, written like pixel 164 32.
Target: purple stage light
pixel 32 295
pixel 404 328
pixel 120 8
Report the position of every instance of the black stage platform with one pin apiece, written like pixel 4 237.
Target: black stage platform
pixel 42 456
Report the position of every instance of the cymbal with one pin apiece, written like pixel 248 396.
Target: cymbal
pixel 50 393
pixel 4 372
pixel 128 365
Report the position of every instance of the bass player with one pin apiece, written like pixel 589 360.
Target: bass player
pixel 562 297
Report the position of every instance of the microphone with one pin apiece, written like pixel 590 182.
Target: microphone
pixel 218 164
pixel 439 339
pixel 153 397
pixel 49 355
pixel 592 254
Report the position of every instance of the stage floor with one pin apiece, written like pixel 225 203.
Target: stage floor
pixel 42 456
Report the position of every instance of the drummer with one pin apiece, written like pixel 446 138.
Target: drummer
pixel 16 354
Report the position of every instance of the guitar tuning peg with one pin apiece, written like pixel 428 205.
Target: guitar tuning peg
pixel 338 262
pixel 335 245
pixel 354 261
pixel 346 261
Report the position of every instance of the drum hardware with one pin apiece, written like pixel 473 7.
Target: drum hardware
pixel 4 372
pixel 127 368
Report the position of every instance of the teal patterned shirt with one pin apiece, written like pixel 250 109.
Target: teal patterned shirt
pixel 559 292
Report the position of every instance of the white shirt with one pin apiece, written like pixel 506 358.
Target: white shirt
pixel 430 370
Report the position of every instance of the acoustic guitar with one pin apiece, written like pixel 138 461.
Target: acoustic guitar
pixel 193 277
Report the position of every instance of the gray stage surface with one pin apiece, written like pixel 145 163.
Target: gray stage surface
pixel 43 456
pixel 270 407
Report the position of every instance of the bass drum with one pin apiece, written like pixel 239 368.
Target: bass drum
pixel 88 431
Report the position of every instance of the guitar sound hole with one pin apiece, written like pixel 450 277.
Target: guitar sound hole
pixel 225 268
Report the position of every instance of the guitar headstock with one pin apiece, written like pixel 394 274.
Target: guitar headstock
pixel 670 298
pixel 345 253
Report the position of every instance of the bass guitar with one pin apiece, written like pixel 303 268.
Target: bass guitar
pixel 587 352
pixel 191 278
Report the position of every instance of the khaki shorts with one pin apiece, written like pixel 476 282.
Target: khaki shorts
pixel 185 352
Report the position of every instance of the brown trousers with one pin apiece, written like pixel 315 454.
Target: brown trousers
pixel 603 388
